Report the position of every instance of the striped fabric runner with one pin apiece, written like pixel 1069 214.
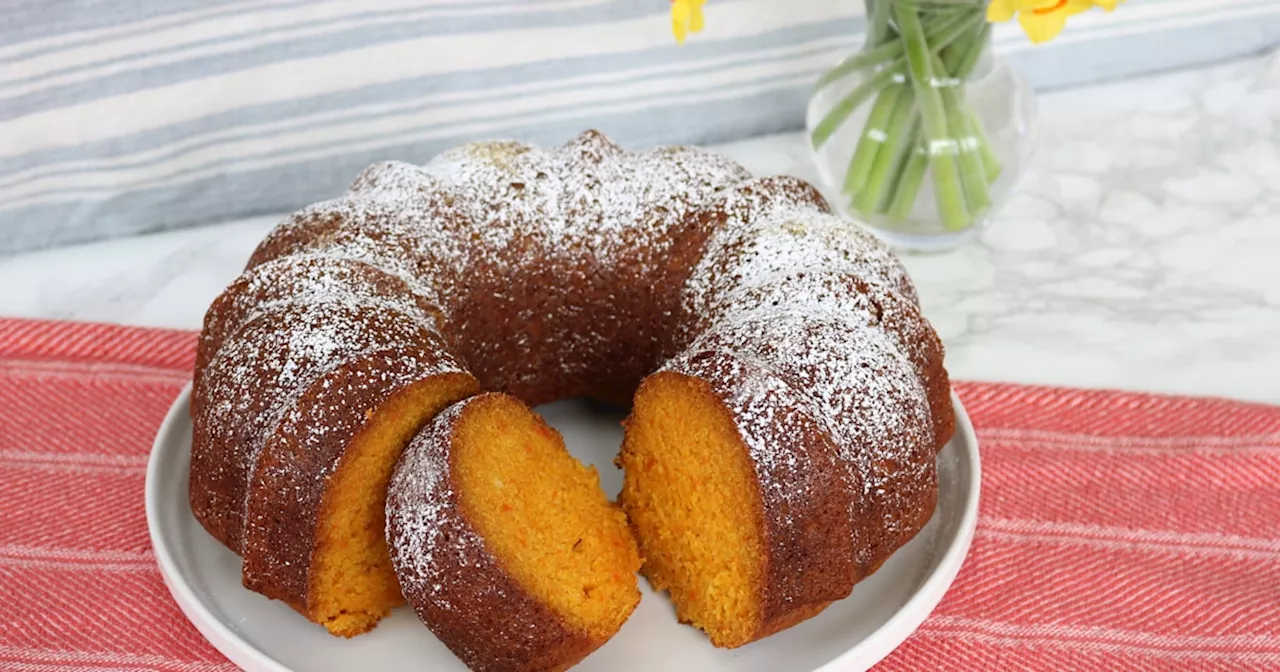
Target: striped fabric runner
pixel 118 118
pixel 1117 530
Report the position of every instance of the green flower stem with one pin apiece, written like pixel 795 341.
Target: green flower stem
pixel 877 22
pixel 909 183
pixel 990 162
pixel 910 142
pixel 942 5
pixel 941 146
pixel 926 126
pixel 873 138
pixel 964 58
pixel 945 33
pixel 899 139
pixel 973 174
pixel 838 114
pixel 945 28
pixel 864 59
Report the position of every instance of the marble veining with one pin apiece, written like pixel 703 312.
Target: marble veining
pixel 1142 251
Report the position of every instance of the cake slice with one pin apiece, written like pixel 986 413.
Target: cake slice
pixel 736 498
pixel 505 544
pixel 319 545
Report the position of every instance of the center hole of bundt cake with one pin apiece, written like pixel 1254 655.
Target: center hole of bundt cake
pixel 543 515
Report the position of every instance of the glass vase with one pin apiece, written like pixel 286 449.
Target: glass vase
pixel 924 133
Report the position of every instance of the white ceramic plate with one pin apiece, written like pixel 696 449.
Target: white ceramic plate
pixel 261 635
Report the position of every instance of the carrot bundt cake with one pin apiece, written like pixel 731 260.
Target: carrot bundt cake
pixel 788 397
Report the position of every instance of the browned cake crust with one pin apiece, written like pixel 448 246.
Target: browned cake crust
pixel 455 585
pixel 572 271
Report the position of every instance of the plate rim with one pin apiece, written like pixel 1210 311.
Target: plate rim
pixel 885 639
pixel 872 649
pixel 227 643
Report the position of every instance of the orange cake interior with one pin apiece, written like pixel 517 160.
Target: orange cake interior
pixel 690 492
pixel 352 583
pixel 543 515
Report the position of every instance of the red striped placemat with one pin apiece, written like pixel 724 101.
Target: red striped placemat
pixel 1117 530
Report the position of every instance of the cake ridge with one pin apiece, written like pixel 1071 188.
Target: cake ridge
pixel 824 400
pixel 299 360
pixel 798 238
pixel 262 309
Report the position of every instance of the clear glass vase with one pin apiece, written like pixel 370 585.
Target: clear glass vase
pixel 923 133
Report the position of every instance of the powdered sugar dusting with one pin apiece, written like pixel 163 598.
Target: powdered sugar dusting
pixel 588 197
pixel 763 247
pixel 424 522
pixel 831 296
pixel 488 222
pixel 854 377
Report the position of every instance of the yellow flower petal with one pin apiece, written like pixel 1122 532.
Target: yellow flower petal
pixel 686 17
pixel 680 14
pixel 1000 11
pixel 696 20
pixel 1109 5
pixel 1074 7
pixel 1043 25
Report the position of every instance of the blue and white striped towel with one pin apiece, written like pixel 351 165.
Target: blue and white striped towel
pixel 125 117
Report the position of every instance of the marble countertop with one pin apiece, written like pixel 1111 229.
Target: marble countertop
pixel 1142 251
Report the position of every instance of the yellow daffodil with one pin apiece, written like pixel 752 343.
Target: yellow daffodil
pixel 686 17
pixel 1043 19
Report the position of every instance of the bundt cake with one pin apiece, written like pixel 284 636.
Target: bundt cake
pixel 789 398
pixel 492 522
